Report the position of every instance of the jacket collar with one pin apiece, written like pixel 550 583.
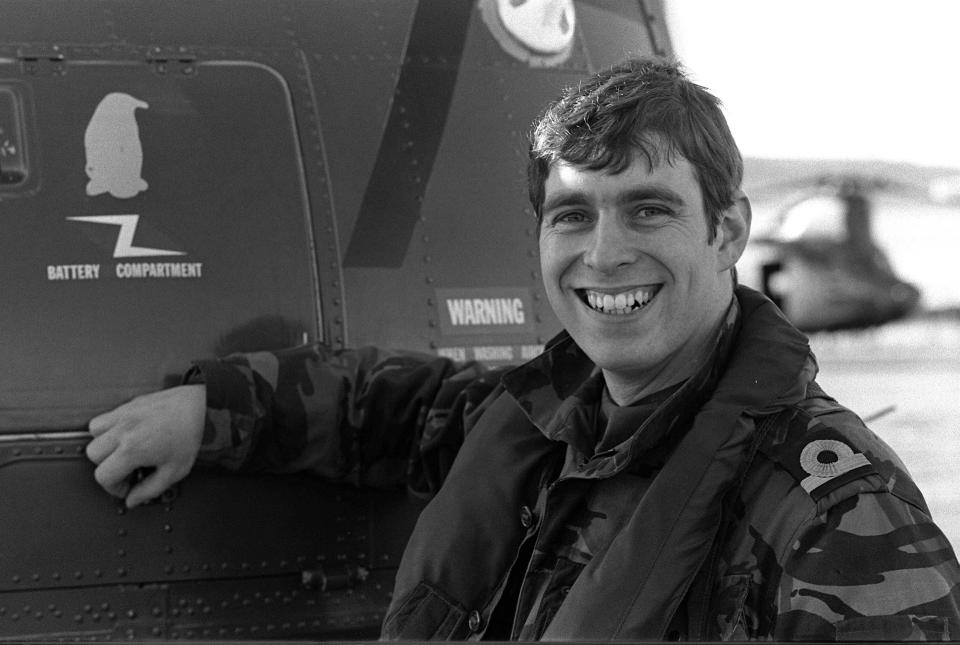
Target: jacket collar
pixel 768 363
pixel 667 537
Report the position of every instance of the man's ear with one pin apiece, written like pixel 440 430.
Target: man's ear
pixel 734 231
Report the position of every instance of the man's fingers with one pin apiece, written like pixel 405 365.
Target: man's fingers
pixel 101 447
pixel 161 430
pixel 113 474
pixel 150 487
pixel 103 422
pixel 119 490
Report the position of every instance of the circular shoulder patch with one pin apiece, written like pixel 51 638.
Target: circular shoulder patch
pixel 830 461
pixel 825 457
pixel 820 457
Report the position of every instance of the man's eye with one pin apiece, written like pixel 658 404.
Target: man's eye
pixel 573 217
pixel 651 211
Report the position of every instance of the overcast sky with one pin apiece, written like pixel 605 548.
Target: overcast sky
pixel 865 79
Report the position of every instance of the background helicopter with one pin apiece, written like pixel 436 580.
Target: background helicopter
pixel 813 248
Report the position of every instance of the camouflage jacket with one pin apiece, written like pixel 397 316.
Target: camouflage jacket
pixel 760 508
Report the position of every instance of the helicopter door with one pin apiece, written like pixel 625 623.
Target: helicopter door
pixel 150 217
pixel 154 213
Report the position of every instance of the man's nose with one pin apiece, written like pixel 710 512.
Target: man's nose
pixel 611 245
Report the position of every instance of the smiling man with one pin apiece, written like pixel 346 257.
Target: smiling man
pixel 635 270
pixel 667 469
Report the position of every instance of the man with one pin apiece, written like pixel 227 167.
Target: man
pixel 667 468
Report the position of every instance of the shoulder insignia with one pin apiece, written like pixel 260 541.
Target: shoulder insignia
pixel 819 457
pixel 826 459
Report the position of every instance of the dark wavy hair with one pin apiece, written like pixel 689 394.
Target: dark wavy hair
pixel 642 105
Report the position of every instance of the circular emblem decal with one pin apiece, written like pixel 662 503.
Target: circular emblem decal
pixel 825 457
pixel 538 32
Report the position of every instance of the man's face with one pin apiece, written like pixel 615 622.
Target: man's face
pixel 628 270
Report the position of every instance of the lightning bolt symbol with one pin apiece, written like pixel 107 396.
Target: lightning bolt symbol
pixel 128 227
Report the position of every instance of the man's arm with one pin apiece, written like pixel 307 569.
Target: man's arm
pixel 873 567
pixel 364 416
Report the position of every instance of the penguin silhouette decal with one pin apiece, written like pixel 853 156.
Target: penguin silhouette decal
pixel 114 152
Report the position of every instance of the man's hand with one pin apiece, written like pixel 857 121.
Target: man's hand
pixel 161 431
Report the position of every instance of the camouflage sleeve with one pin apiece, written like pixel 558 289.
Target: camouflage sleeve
pixel 871 567
pixel 365 416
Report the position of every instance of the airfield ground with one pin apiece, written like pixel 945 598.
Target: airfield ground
pixel 908 373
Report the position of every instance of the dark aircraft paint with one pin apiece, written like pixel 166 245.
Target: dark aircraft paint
pixel 276 199
pixel 418 114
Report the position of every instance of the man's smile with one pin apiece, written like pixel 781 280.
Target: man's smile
pixel 620 302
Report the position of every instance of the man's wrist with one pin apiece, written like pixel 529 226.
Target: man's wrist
pixel 227 409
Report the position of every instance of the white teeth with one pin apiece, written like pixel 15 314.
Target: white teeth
pixel 621 303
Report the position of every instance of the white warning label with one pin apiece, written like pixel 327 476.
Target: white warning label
pixel 484 310
pixel 491 353
pixel 160 270
pixel 126 271
pixel 73 272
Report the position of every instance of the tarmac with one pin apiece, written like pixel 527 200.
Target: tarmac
pixel 904 380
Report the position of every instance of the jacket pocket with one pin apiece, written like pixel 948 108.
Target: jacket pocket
pixel 425 613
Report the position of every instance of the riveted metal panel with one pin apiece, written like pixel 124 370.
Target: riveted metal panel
pixel 268 557
pixel 217 550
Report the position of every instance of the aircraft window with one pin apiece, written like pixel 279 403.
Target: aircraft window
pixel 13 168
pixel 817 217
